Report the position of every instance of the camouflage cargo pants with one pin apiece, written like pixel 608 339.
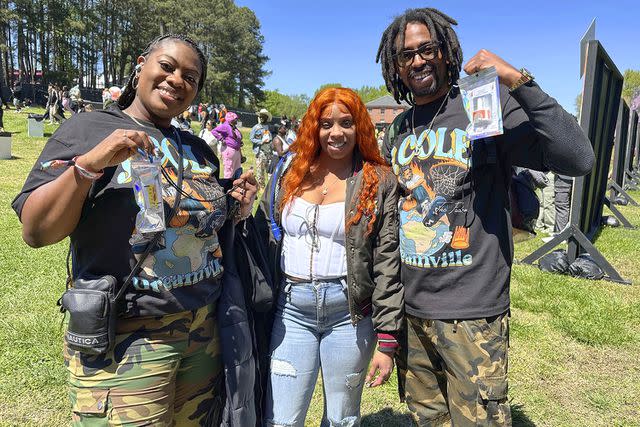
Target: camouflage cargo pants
pixel 456 372
pixel 163 371
pixel 261 172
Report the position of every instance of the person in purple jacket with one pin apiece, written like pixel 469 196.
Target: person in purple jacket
pixel 231 140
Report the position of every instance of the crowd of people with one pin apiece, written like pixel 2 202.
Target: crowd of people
pixel 380 252
pixel 59 100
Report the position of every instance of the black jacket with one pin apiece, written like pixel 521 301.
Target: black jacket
pixel 245 317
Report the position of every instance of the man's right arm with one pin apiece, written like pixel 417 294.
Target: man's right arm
pixel 541 135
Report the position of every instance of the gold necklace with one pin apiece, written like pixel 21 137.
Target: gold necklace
pixel 138 122
pixel 325 188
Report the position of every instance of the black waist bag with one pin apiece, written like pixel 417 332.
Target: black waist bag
pixel 93 314
pixel 92 305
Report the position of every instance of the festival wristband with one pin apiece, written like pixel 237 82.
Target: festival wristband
pixel 57 164
pixel 92 176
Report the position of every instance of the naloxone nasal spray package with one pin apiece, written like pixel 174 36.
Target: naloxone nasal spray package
pixel 481 99
pixel 147 187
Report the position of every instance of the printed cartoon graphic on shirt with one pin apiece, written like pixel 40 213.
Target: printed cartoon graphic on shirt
pixel 431 167
pixel 189 250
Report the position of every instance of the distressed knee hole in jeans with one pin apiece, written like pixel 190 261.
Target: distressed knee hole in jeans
pixel 282 367
pixel 353 380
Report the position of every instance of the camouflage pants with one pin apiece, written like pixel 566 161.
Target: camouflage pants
pixel 163 371
pixel 456 372
pixel 262 163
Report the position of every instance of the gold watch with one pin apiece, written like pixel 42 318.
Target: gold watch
pixel 526 78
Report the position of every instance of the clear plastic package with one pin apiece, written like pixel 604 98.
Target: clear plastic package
pixel 481 99
pixel 147 188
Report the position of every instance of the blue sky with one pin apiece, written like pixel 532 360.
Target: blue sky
pixel 310 43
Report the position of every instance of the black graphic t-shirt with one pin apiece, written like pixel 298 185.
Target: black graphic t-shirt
pixel 455 227
pixel 183 272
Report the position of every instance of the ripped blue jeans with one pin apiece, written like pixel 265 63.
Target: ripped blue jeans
pixel 313 330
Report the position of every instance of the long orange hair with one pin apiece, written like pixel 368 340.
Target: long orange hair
pixel 307 149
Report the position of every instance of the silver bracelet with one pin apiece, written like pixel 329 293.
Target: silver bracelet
pixel 237 216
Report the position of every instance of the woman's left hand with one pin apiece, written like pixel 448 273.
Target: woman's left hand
pixel 383 364
pixel 245 192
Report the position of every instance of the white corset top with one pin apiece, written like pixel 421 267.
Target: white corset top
pixel 314 240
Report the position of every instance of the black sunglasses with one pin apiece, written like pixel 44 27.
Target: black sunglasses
pixel 427 52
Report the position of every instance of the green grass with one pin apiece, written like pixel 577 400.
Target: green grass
pixel 574 343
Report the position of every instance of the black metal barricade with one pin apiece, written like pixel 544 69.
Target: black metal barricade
pixel 631 175
pixel 616 184
pixel 600 105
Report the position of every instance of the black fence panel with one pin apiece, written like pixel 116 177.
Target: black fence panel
pixel 5 93
pixel 90 94
pixel 250 118
pixel 600 102
pixel 635 159
pixel 632 146
pixel 620 146
pixel 600 106
pixel 621 177
pixel 38 93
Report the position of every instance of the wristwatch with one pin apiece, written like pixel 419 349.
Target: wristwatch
pixel 526 77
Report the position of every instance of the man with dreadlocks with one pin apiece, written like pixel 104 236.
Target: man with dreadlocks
pixel 456 247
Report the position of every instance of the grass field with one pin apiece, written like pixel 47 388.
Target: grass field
pixel 575 344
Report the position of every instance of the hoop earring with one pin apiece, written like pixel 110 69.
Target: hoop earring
pixel 135 81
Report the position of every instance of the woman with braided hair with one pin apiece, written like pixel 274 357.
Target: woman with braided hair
pixel 331 208
pixel 165 366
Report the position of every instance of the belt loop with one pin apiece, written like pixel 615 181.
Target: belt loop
pixel 343 281
pixel 455 326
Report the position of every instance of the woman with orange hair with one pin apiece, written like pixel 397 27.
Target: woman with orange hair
pixel 331 214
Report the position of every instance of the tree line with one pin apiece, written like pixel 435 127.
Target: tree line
pixel 295 105
pixel 88 42
pixel 84 41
